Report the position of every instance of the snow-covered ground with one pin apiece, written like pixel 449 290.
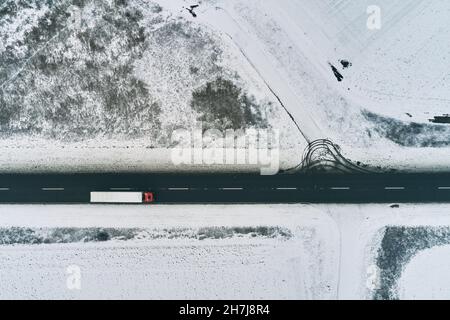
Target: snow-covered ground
pixel 37 155
pixel 231 252
pixel 426 276
pixel 186 252
pixel 114 77
pixel 89 80
pixel 101 86
pixel 379 112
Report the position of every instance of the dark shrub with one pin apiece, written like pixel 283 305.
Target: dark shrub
pixel 102 235
pixel 223 105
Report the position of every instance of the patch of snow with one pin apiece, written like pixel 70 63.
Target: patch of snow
pixel 426 276
pixel 301 266
pixel 331 252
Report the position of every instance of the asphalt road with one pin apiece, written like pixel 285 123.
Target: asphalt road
pixel 229 188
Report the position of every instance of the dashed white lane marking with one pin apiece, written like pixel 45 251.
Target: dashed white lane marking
pixel 4 189
pixel 120 189
pixel 231 189
pixel 444 188
pixel 340 188
pixel 286 188
pixel 394 188
pixel 178 189
pixel 52 189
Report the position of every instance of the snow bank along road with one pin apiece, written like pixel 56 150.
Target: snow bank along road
pixel 227 188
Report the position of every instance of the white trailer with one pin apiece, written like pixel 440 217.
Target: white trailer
pixel 116 197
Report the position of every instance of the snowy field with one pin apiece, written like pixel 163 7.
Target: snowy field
pixel 101 85
pixel 230 252
pixel 124 74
